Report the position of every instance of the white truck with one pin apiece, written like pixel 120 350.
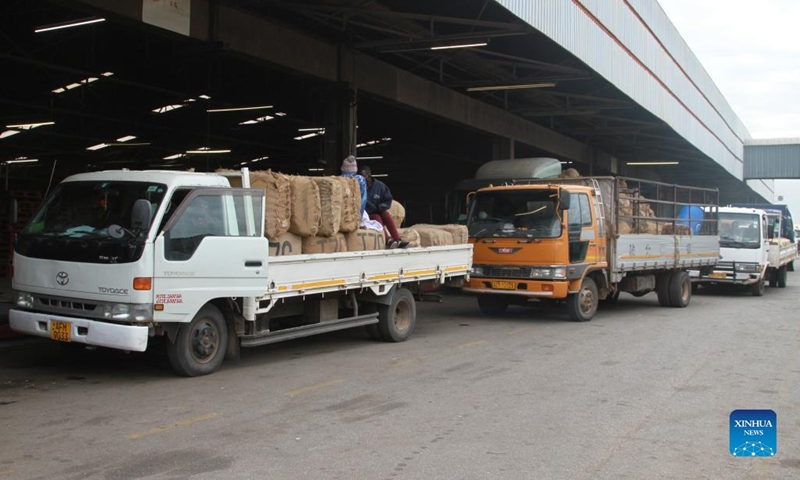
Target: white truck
pixel 752 251
pixel 114 258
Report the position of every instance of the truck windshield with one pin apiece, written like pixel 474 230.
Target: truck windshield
pixel 73 222
pixel 739 230
pixel 514 213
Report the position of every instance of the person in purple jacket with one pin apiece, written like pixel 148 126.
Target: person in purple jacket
pixel 379 199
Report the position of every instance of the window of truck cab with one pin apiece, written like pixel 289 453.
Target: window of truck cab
pixel 516 213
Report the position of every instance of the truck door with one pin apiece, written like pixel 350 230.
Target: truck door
pixel 583 242
pixel 212 246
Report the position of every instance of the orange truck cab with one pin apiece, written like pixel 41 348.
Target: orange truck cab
pixel 585 240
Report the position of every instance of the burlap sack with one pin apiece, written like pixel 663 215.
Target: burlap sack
pixel 351 204
pixel 569 173
pixel 363 239
pixel 398 213
pixel 624 227
pixel 331 202
pixel 341 241
pixel 318 244
pixel 409 235
pixel 306 209
pixel 646 226
pixel 433 237
pixel 278 208
pixel 286 244
pixel 459 232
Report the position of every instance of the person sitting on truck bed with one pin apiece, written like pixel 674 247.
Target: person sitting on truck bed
pixel 379 199
pixel 350 169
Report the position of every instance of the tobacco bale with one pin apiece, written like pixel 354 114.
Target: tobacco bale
pixel 364 239
pixel 351 204
pixel 331 203
pixel 317 244
pixel 624 227
pixel 569 173
pixel 398 213
pixel 669 229
pixel 286 244
pixel 409 235
pixel 459 232
pixel 646 226
pixel 306 210
pixel 432 237
pixel 278 208
pixel 341 240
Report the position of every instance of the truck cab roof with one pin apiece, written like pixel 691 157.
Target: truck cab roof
pixel 170 178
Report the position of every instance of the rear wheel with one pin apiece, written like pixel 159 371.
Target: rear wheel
pixel 773 279
pixel 200 345
pixel 582 306
pixel 680 290
pixel 662 288
pixel 396 321
pixel 492 304
pixel 757 289
pixel 781 280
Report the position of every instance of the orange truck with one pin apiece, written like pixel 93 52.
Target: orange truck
pixel 584 240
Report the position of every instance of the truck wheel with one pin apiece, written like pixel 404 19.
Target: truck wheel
pixel 492 304
pixel 662 288
pixel 757 289
pixel 781 280
pixel 396 321
pixel 200 345
pixel 582 306
pixel 773 278
pixel 680 290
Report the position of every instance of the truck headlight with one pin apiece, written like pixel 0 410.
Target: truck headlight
pixel 24 300
pixel 128 313
pixel 549 272
pixel 477 271
pixel 560 273
pixel 748 267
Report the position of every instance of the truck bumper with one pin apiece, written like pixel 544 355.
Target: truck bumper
pixel 737 278
pixel 525 288
pixel 90 332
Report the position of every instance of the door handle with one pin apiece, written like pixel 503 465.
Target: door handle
pixel 253 263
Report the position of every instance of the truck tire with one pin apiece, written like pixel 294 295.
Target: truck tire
pixel 492 304
pixel 757 289
pixel 200 345
pixel 773 278
pixel 662 288
pixel 781 277
pixel 680 290
pixel 582 306
pixel 396 321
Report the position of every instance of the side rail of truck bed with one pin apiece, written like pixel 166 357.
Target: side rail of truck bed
pixel 300 275
pixel 652 252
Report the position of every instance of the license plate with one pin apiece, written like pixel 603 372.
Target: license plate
pixel 717 275
pixel 504 285
pixel 61 331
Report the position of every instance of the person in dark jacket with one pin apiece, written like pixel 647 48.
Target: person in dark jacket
pixel 379 199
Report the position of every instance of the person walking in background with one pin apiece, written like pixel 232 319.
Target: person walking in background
pixel 379 199
pixel 350 169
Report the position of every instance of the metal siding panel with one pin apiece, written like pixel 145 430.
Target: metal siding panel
pixel 772 161
pixel 564 22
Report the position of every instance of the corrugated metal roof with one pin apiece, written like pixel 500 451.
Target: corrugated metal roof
pixel 772 141
pixel 772 161
pixel 635 46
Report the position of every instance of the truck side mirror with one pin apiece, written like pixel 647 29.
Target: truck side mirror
pixel 564 199
pixel 141 214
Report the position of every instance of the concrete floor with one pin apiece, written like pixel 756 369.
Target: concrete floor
pixel 639 392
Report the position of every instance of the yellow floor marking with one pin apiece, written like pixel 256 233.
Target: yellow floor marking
pixel 401 363
pixel 312 388
pixel 164 428
pixel 471 344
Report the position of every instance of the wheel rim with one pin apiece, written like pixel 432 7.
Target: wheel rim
pixel 586 301
pixel 205 341
pixel 402 317
pixel 686 289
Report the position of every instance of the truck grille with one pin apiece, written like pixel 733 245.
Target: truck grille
pixel 728 266
pixel 507 272
pixel 66 305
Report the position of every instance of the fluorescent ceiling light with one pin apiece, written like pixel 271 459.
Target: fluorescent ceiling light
pixel 313 129
pixel 316 169
pixel 374 142
pixel 204 97
pixel 205 151
pixel 259 159
pixel 511 87
pixel 308 135
pixel 370 158
pixel 280 114
pixel 652 163
pixel 85 81
pixel 22 160
pixel 173 157
pixel 125 138
pixel 9 133
pixel 97 147
pixel 167 108
pixel 134 144
pixel 380 175
pixel 238 109
pixel 257 120
pixel 29 126
pixel 463 45
pixel 70 24
pixel 107 74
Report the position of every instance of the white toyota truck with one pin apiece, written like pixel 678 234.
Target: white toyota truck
pixel 114 258
pixel 752 251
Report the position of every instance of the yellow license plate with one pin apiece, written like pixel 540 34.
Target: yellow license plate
pixel 717 275
pixel 504 285
pixel 61 331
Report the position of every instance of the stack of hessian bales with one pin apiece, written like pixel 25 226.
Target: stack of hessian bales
pixel 635 205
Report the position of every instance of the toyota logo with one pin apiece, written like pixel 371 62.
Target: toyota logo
pixel 62 278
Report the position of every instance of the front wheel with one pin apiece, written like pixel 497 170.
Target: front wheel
pixel 200 345
pixel 396 321
pixel 781 274
pixel 582 306
pixel 757 289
